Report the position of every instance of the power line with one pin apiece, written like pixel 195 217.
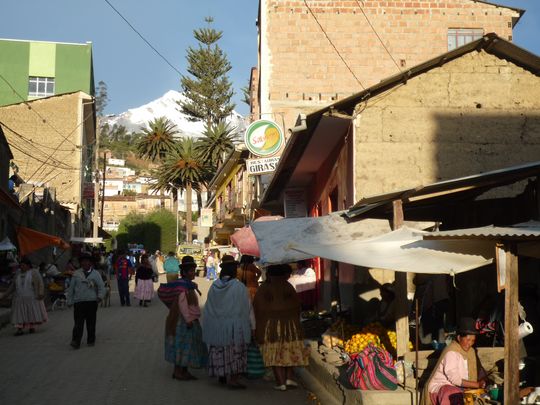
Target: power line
pixel 91 114
pixel 33 109
pixel 377 35
pixel 331 43
pixel 55 162
pixel 143 38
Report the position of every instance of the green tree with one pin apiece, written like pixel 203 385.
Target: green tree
pixel 246 98
pixel 102 98
pixel 208 91
pixel 157 139
pixel 183 168
pixel 215 144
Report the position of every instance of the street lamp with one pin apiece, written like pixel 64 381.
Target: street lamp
pixel 177 202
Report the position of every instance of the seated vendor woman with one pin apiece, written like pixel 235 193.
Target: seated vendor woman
pixel 457 370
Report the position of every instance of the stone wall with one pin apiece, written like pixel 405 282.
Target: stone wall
pixel 301 71
pixel 474 114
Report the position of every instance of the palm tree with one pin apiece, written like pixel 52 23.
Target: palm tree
pixel 217 142
pixel 157 139
pixel 183 168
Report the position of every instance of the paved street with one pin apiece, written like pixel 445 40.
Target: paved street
pixel 125 367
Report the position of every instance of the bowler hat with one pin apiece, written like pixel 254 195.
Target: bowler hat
pixel 86 256
pixel 228 261
pixel 187 262
pixel 467 326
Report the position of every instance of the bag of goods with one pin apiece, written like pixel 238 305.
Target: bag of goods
pixel 372 369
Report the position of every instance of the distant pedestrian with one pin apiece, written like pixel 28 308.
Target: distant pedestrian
pixel 27 308
pixel 124 271
pixel 211 267
pixel 249 274
pixel 85 291
pixel 227 325
pixel 184 346
pixel 144 286
pixel 279 333
pixel 171 267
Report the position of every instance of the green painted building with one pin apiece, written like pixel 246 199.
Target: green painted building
pixel 35 69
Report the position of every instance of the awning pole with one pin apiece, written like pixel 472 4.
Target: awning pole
pixel 511 321
pixel 402 303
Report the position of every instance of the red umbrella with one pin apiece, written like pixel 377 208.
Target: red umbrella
pixel 244 238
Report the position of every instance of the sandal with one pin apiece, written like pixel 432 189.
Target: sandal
pixel 19 332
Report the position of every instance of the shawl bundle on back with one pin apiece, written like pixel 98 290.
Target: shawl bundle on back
pixel 277 311
pixel 183 286
pixel 225 319
pixel 473 365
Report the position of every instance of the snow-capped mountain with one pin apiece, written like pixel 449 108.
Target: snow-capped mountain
pixel 167 106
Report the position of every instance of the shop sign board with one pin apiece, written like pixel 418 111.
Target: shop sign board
pixel 295 203
pixel 264 138
pixel 263 165
pixel 207 215
pixel 88 191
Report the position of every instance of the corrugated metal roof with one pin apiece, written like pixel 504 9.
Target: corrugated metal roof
pixel 491 179
pixel 525 231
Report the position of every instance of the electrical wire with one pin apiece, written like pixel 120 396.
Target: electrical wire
pixel 54 161
pixel 331 43
pixel 143 38
pixel 23 100
pixel 33 143
pixel 91 114
pixel 377 35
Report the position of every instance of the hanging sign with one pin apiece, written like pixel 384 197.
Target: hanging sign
pixel 264 138
pixel 207 215
pixel 295 205
pixel 263 165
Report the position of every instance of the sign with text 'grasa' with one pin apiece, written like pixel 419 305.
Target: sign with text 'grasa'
pixel 264 138
pixel 260 166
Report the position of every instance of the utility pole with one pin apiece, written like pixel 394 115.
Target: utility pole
pixel 103 188
pixel 96 184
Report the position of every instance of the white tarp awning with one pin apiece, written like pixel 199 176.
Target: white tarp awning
pixel 274 237
pixel 76 239
pixel 7 245
pixel 404 250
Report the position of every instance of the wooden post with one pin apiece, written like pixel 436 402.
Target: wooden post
pixel 402 303
pixel 511 338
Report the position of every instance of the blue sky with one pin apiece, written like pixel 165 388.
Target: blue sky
pixel 134 74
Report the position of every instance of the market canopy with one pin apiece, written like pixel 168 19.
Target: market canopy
pixel 274 237
pixel 7 245
pixel 244 239
pixel 31 240
pixel 405 250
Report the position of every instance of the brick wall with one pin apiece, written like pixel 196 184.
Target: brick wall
pixel 59 136
pixel 474 114
pixel 300 70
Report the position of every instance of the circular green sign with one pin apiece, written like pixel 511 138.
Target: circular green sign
pixel 263 138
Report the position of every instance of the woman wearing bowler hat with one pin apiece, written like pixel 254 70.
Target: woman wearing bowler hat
pixel 183 335
pixel 458 369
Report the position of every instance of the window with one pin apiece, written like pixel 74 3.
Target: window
pixel 40 86
pixel 460 36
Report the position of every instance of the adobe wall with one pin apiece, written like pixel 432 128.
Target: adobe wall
pixel 59 136
pixel 301 71
pixel 474 114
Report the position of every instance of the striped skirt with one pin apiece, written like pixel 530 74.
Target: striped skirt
pixel 227 360
pixel 27 312
pixel 186 349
